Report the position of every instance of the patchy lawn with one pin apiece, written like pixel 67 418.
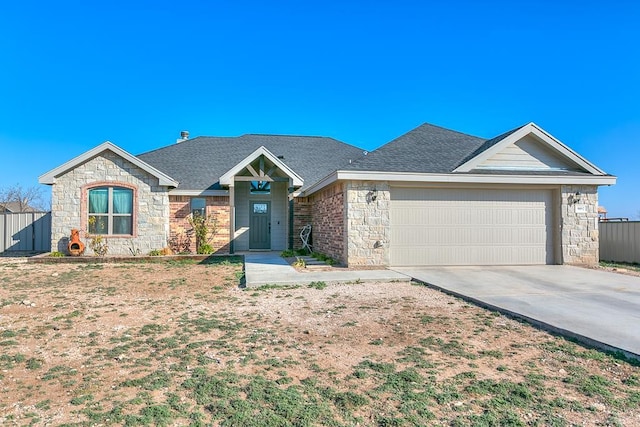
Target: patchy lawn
pixel 180 344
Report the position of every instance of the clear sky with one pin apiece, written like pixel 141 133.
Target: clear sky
pixel 76 73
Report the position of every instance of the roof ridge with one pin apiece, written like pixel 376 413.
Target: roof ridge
pixel 447 129
pixel 286 135
pixel 181 142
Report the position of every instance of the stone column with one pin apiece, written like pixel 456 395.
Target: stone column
pixel 368 223
pixel 579 239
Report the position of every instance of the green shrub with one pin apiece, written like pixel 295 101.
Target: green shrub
pixel 56 254
pixel 205 249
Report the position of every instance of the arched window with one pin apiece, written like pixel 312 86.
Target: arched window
pixel 110 210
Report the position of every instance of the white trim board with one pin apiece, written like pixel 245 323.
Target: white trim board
pixel 198 193
pixel 461 178
pixel 50 177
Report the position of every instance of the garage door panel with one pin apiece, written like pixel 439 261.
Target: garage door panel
pixel 470 227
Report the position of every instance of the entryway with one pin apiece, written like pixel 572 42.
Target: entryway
pixel 260 225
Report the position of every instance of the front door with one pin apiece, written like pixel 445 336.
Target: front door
pixel 260 225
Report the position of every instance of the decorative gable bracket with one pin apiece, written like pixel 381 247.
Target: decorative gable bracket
pixel 259 172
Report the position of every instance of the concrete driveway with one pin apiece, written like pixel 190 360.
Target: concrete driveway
pixel 594 306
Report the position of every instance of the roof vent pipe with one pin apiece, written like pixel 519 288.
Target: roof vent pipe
pixel 184 135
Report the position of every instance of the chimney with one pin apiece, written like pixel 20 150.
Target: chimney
pixel 184 135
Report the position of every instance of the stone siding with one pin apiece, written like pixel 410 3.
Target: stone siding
pixel 151 205
pixel 180 209
pixel 368 223
pixel 328 222
pixel 580 239
pixel 302 215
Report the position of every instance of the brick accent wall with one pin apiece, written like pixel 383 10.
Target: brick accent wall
pixel 216 206
pixel 301 216
pixel 328 222
pixel 580 236
pixel 69 207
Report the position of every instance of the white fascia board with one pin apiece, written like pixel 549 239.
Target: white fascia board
pixel 227 178
pixel 542 135
pixel 198 193
pixel 50 177
pixel 461 178
pixel 327 180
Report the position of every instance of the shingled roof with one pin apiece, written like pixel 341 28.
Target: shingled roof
pixel 426 149
pixel 198 163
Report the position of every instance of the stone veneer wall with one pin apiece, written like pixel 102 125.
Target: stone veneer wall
pixel 180 209
pixel 328 222
pixel 368 223
pixel 580 239
pixel 151 204
pixel 301 216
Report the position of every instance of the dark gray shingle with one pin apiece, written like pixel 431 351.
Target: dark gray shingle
pixel 198 163
pixel 427 149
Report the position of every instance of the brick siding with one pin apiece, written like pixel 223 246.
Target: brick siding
pixel 218 206
pixel 328 222
pixel 301 217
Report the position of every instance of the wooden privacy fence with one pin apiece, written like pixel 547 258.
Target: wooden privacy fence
pixel 620 241
pixel 25 231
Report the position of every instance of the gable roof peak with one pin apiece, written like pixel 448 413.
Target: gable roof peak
pixel 492 146
pixel 50 177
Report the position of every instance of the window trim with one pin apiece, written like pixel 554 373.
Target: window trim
pixel 84 207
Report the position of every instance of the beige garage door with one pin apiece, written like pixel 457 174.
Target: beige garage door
pixel 471 227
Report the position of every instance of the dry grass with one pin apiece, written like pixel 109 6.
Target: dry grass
pixel 180 344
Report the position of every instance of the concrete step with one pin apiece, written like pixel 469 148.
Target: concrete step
pixel 312 261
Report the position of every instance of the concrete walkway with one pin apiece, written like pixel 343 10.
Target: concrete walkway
pixel 596 307
pixel 269 268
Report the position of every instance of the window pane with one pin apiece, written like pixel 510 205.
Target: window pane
pixel 99 200
pixel 198 206
pixel 122 225
pixel 98 224
pixel 260 208
pixel 122 200
pixel 260 187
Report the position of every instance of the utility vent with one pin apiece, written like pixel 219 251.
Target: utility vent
pixel 281 157
pixel 184 135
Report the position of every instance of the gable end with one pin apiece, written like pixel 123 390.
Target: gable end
pixel 529 154
pixel 529 149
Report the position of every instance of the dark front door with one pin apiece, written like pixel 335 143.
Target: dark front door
pixel 260 225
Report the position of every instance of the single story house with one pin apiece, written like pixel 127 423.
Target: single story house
pixel 15 207
pixel 432 196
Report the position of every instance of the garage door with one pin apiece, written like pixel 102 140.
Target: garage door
pixel 470 227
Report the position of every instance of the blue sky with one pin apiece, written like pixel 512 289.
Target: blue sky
pixel 74 74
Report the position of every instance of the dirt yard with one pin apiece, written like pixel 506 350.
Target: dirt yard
pixel 179 343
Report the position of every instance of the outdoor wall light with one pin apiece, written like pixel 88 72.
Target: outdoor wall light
pixel 575 198
pixel 372 195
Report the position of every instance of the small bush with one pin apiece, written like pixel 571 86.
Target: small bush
pixel 56 254
pixel 205 249
pixel 318 285
pixel 156 252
